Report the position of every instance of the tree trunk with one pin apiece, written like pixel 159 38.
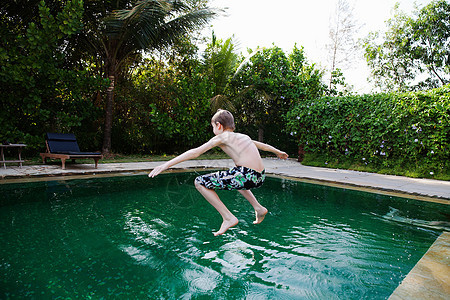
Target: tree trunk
pixel 333 64
pixel 261 135
pixel 106 149
pixel 301 153
pixel 301 148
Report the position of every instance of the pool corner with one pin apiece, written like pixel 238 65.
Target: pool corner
pixel 430 277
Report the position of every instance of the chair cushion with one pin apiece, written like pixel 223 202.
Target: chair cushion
pixel 61 137
pixel 62 142
pixel 77 153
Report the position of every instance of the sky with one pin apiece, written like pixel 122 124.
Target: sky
pixel 258 23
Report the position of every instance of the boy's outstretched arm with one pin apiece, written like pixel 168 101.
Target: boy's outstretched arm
pixel 190 154
pixel 269 148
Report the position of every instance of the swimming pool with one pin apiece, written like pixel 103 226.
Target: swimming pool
pixel 134 237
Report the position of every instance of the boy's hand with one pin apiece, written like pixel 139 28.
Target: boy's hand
pixel 282 155
pixel 157 170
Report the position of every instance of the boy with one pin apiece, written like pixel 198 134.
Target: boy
pixel 248 173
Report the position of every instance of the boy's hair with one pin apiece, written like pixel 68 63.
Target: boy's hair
pixel 225 118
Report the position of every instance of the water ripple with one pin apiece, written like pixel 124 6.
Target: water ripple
pixel 135 238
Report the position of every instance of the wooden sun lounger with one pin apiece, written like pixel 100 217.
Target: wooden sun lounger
pixel 64 146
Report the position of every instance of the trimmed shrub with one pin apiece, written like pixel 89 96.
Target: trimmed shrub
pixel 410 127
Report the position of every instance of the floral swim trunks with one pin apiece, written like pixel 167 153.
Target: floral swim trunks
pixel 237 178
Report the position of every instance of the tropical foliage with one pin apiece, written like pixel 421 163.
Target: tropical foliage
pixel 127 76
pixel 39 91
pixel 410 48
pixel 164 105
pixel 117 39
pixel 265 88
pixel 221 61
pixel 413 128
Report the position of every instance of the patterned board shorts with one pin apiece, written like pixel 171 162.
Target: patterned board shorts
pixel 237 178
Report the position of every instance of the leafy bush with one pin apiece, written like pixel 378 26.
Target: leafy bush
pixel 163 108
pixel 39 92
pixel 265 89
pixel 378 129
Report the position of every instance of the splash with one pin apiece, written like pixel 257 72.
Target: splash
pixel 394 215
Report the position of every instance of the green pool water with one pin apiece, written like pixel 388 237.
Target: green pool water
pixel 132 237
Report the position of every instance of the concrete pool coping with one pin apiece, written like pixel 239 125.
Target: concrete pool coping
pixel 429 279
pixel 411 187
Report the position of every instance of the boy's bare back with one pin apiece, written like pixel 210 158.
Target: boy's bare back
pixel 241 149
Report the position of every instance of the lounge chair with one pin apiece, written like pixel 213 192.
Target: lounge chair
pixel 64 146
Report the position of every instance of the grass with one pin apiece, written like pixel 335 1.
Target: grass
pixel 399 168
pixel 118 158
pixel 316 160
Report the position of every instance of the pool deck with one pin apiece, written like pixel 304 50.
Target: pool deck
pixel 411 187
pixel 429 279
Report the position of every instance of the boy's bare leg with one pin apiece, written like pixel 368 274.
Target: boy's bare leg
pixel 229 220
pixel 260 211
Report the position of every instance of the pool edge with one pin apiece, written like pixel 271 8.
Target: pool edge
pixel 411 187
pixel 430 277
pixel 373 190
pixel 274 173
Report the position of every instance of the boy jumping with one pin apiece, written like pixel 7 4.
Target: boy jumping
pixel 247 174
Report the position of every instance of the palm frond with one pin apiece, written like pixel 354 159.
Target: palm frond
pixel 173 29
pixel 223 102
pixel 144 7
pixel 246 61
pixel 224 62
pixel 156 23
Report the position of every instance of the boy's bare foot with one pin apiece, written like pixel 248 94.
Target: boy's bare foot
pixel 260 214
pixel 226 224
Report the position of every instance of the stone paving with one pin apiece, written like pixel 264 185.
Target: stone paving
pixel 290 168
pixel 429 279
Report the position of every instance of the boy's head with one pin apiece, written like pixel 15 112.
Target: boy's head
pixel 225 118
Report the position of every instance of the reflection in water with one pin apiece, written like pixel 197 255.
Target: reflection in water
pixel 137 238
pixel 201 280
pixel 148 233
pixel 395 215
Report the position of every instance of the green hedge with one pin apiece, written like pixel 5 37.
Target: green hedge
pixel 376 129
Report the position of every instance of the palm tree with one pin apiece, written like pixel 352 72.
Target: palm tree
pixel 222 61
pixel 224 67
pixel 123 34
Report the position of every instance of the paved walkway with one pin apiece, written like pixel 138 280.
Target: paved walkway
pixel 430 278
pixel 290 168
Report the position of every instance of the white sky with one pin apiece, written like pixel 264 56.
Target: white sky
pixel 259 23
